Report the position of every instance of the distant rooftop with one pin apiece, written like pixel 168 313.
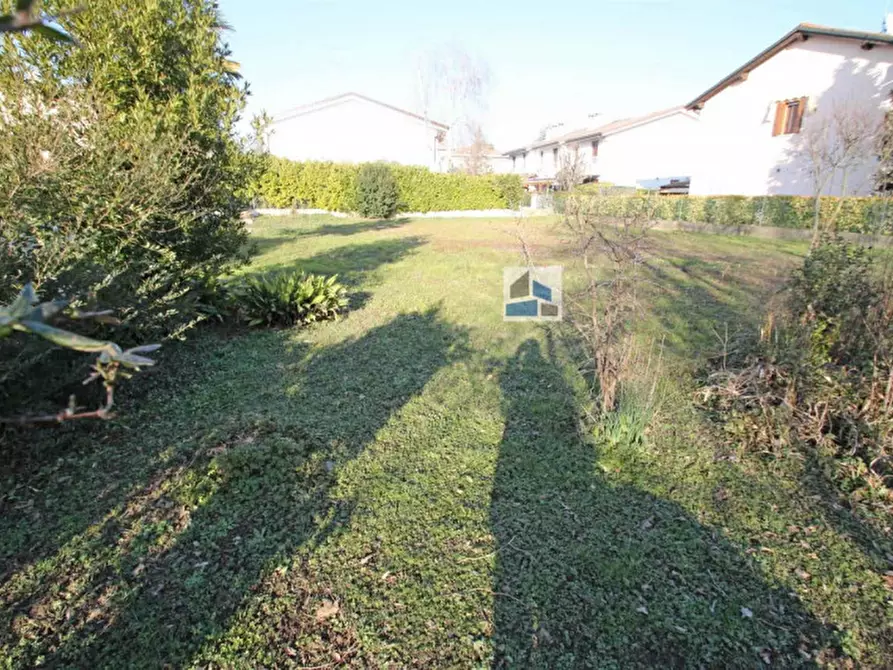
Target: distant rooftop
pixel 335 99
pixel 603 130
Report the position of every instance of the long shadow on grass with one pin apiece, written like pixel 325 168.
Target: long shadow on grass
pixel 592 573
pixel 53 488
pixel 246 500
pixel 354 263
pixel 359 227
pixel 262 244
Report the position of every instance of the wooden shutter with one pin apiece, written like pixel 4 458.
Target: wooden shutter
pixel 778 126
pixel 798 119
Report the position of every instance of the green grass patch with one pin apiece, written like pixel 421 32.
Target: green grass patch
pixel 406 487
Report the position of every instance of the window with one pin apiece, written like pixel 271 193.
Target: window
pixel 594 148
pixel 555 156
pixel 789 116
pixel 514 161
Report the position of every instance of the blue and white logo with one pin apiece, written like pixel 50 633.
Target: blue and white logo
pixel 532 293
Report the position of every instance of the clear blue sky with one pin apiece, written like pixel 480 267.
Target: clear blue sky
pixel 549 59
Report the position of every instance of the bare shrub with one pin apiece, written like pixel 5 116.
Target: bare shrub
pixel 611 253
pixel 571 168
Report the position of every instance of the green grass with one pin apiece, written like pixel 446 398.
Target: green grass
pixel 406 487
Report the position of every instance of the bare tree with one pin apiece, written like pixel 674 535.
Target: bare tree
pixel 452 85
pixel 476 155
pixel 836 147
pixel 572 168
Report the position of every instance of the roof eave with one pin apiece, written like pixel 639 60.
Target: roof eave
pixel 759 59
pixel 802 32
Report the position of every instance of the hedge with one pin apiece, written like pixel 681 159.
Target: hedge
pixel 332 186
pixel 857 215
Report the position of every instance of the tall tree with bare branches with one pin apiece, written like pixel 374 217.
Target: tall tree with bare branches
pixel 452 85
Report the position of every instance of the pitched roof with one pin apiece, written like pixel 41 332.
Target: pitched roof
pixel 611 128
pixel 800 33
pixel 336 99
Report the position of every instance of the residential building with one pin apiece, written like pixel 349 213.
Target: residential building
pixel 760 124
pixel 627 152
pixel 487 160
pixel 354 128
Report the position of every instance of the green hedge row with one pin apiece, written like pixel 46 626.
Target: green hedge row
pixel 858 215
pixel 332 186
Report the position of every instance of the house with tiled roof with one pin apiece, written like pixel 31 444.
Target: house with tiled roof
pixel 798 97
pixel 354 128
pixel 652 148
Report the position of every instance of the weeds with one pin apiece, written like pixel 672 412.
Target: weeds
pixel 821 378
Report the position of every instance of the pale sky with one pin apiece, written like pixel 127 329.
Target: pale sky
pixel 548 61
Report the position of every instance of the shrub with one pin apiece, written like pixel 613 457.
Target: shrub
pixel 285 298
pixel 376 191
pixel 821 379
pixel 119 184
pixel 858 215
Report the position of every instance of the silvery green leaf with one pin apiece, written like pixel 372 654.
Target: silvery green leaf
pixel 45 310
pixel 64 338
pixel 143 349
pixel 23 302
pixel 131 360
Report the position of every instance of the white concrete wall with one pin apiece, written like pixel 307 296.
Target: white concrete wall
pixel 739 155
pixel 659 149
pixel 354 131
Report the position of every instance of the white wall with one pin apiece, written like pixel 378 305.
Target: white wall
pixel 739 155
pixel 659 149
pixel 354 131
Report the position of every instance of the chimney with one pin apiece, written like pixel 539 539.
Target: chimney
pixel 888 24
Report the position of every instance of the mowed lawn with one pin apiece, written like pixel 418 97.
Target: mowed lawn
pixel 406 487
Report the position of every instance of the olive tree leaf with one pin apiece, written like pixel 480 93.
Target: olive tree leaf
pixel 132 360
pixel 144 349
pixel 64 338
pixel 23 303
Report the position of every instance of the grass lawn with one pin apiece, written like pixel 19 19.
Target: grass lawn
pixel 406 487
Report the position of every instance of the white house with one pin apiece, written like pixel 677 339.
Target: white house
pixel 810 87
pixel 491 160
pixel 626 152
pixel 353 128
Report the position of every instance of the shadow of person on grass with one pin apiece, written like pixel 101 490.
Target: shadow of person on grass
pixel 35 524
pixel 596 573
pixel 245 502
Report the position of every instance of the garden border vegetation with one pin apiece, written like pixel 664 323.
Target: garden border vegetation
pixel 853 214
pixel 333 187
